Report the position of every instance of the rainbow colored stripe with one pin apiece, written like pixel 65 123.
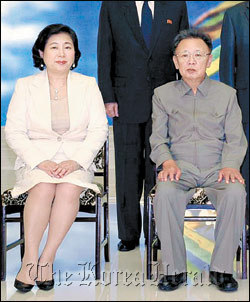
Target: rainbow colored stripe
pixel 211 22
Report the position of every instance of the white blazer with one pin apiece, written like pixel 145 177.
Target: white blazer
pixel 28 128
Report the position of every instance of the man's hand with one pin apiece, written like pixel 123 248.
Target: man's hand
pixel 65 167
pixel 170 170
pixel 112 109
pixel 48 166
pixel 230 174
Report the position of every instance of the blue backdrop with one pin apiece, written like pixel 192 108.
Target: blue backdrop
pixel 23 20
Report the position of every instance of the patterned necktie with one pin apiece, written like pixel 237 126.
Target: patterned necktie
pixel 146 23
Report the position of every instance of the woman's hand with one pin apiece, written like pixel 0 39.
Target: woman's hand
pixel 49 167
pixel 66 167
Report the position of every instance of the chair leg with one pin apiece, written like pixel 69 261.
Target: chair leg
pixel 238 254
pixel 149 240
pixel 106 231
pixel 244 253
pixel 155 241
pixel 21 235
pixel 3 244
pixel 98 239
pixel 155 250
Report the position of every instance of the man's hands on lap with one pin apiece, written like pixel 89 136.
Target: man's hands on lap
pixel 230 174
pixel 170 171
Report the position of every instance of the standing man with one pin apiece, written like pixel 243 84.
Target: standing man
pixel 134 57
pixel 234 68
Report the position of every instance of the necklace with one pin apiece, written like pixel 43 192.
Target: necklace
pixel 56 91
pixel 56 94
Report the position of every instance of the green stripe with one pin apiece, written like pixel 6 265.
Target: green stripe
pixel 214 20
pixel 193 246
pixel 216 52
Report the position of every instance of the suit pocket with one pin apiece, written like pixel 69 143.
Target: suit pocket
pixel 218 120
pixel 218 114
pixel 173 118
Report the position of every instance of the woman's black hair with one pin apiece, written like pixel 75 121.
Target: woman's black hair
pixel 43 37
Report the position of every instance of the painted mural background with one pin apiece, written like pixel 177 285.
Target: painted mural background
pixel 21 22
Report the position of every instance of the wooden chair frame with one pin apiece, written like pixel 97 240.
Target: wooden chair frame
pixel 97 218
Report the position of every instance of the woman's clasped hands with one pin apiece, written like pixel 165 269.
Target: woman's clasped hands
pixel 59 170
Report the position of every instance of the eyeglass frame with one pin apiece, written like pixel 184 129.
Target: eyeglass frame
pixel 202 56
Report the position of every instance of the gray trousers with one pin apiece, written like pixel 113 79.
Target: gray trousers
pixel 170 203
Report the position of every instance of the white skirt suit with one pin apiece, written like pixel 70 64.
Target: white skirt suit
pixel 30 134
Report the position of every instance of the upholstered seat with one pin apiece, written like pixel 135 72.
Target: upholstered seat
pixel 87 198
pixel 90 202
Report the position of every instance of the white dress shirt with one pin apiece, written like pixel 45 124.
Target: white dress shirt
pixel 139 5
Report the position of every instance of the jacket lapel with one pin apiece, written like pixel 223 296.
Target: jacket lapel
pixel 41 98
pixel 40 94
pixel 130 12
pixel 74 95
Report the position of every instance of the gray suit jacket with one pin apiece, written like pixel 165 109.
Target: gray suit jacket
pixel 203 129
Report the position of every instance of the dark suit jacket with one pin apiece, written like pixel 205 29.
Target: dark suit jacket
pixel 234 57
pixel 128 71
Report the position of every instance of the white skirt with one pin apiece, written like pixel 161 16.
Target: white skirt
pixel 27 178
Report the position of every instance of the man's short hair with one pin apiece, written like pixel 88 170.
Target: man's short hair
pixel 192 34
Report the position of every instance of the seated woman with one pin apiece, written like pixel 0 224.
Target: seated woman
pixel 56 124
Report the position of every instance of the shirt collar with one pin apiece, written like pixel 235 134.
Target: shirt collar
pixel 142 2
pixel 202 88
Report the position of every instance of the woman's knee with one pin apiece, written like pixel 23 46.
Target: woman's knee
pixel 43 190
pixel 68 191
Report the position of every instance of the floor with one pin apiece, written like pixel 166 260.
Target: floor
pixel 124 277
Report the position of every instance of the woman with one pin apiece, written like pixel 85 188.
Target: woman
pixel 56 124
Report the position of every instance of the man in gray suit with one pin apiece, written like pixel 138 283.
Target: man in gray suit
pixel 198 139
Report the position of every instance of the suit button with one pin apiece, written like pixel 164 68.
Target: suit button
pixel 59 138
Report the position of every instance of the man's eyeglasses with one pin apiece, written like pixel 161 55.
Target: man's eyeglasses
pixel 197 56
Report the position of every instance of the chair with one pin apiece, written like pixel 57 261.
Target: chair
pixel 90 202
pixel 199 201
